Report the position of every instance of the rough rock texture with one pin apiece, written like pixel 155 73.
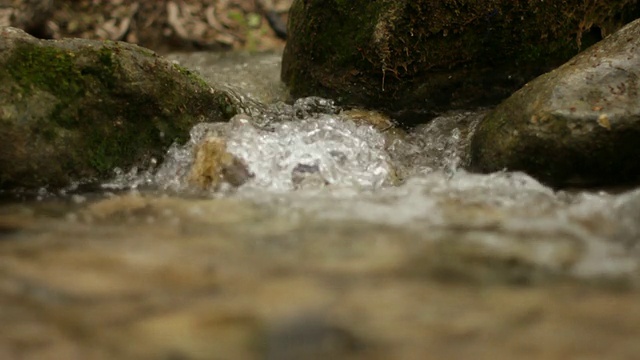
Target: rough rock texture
pixel 415 57
pixel 578 124
pixel 75 109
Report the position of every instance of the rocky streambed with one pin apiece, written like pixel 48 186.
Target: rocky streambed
pixel 331 236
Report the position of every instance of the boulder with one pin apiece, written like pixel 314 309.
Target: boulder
pixel 577 125
pixel 412 58
pixel 75 109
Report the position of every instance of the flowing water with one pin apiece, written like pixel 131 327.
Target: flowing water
pixel 346 238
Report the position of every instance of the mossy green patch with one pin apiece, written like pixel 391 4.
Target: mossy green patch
pixel 87 107
pixel 28 62
pixel 191 75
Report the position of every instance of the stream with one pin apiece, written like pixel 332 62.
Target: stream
pixel 350 239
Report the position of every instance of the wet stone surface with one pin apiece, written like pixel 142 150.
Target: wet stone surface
pixel 586 110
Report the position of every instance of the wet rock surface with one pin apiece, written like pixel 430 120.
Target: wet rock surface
pixel 416 58
pixel 253 78
pixel 577 125
pixel 75 109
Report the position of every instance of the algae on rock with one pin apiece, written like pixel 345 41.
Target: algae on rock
pixel 417 57
pixel 75 109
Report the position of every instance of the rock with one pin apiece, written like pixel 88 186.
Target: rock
pixel 136 276
pixel 213 165
pixel 75 109
pixel 577 125
pixel 413 58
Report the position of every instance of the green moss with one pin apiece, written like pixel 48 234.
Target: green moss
pixel 26 67
pixel 336 34
pixel 393 55
pixel 56 71
pixel 191 75
pixel 105 110
pixel 146 52
pixel 105 56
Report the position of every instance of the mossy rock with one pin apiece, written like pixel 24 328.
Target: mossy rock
pixel 413 58
pixel 578 125
pixel 75 109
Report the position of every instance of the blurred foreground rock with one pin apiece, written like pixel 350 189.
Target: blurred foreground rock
pixel 137 277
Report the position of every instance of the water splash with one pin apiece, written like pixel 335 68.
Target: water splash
pixel 323 148
pixel 440 145
pixel 287 147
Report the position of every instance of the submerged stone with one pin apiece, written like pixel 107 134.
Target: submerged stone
pixel 418 57
pixel 75 109
pixel 577 125
pixel 213 166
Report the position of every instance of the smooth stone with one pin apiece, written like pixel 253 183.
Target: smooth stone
pixel 577 125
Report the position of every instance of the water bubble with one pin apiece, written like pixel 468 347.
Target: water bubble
pixel 344 153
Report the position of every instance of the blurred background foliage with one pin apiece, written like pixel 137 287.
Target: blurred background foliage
pixel 161 25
